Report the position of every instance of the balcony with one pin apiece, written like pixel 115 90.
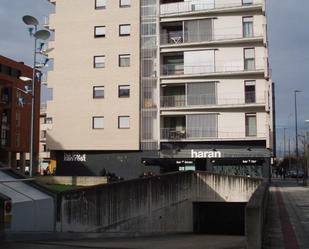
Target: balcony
pixel 191 7
pixel 185 134
pixel 179 68
pixel 181 38
pixel 209 100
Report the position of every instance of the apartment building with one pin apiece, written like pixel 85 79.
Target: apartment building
pixel 15 114
pixel 160 85
pixel 45 125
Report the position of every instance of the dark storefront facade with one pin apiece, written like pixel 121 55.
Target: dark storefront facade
pixel 223 158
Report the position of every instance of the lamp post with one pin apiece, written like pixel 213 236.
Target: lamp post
pixel 296 131
pixel 42 35
pixel 284 143
pixel 306 152
pixel 304 164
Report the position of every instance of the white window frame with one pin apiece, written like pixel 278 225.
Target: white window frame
pixel 124 29
pixel 248 20
pixel 123 122
pixel 100 4
pixel 99 61
pixel 126 57
pixel 124 3
pixel 97 122
pixel 248 134
pixel 99 31
pixel 249 56
pixel 98 88
pixel 247 2
pixel 123 87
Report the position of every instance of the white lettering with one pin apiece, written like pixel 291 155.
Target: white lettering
pixel 205 154
pixel 74 157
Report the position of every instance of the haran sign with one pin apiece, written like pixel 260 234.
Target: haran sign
pixel 205 154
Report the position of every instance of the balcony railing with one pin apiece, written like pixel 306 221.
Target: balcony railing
pixel 208 100
pixel 183 133
pixel 183 37
pixel 256 64
pixel 190 6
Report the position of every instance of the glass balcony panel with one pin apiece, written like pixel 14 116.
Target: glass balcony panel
pixel 250 97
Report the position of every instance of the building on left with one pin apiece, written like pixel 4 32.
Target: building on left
pixel 15 114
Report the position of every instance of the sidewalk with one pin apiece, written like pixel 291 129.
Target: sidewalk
pixel 185 241
pixel 287 224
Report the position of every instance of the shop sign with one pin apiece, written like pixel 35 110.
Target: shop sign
pixel 74 157
pixel 205 154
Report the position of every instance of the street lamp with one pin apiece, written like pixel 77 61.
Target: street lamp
pixel 296 131
pixel 38 35
pixel 306 152
pixel 304 164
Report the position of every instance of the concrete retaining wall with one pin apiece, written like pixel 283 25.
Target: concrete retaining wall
pixel 255 216
pixel 160 204
pixel 73 180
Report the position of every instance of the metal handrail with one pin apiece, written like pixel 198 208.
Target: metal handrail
pixel 181 133
pixel 181 37
pixel 189 6
pixel 209 99
pixel 228 66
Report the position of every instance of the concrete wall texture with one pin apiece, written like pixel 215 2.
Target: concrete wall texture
pixel 255 216
pixel 73 180
pixel 159 204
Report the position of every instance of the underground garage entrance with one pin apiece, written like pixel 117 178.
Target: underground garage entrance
pixel 220 218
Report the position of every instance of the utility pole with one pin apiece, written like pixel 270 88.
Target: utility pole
pixel 296 132
pixel 284 149
pixel 289 154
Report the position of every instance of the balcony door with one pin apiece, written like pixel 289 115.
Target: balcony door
pixel 199 62
pixel 202 125
pixel 198 30
pixel 201 94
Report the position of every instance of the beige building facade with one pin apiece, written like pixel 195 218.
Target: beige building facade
pixel 141 84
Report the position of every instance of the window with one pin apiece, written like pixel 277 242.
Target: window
pixel 194 31
pixel 124 91
pixel 43 135
pixel 247 23
pixel 123 122
pixel 100 4
pixel 98 92
pixel 247 2
pixel 98 122
pixel 250 91
pixel 48 120
pixel 124 29
pixel 251 125
pixel 19 99
pixel 249 60
pixel 99 31
pixel 124 60
pixel 18 119
pixel 99 61
pixel 17 142
pixel 124 3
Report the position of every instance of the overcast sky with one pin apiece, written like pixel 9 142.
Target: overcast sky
pixel 288 41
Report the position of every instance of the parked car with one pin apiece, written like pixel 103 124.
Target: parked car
pixel 294 174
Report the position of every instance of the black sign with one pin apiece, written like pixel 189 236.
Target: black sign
pixel 238 161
